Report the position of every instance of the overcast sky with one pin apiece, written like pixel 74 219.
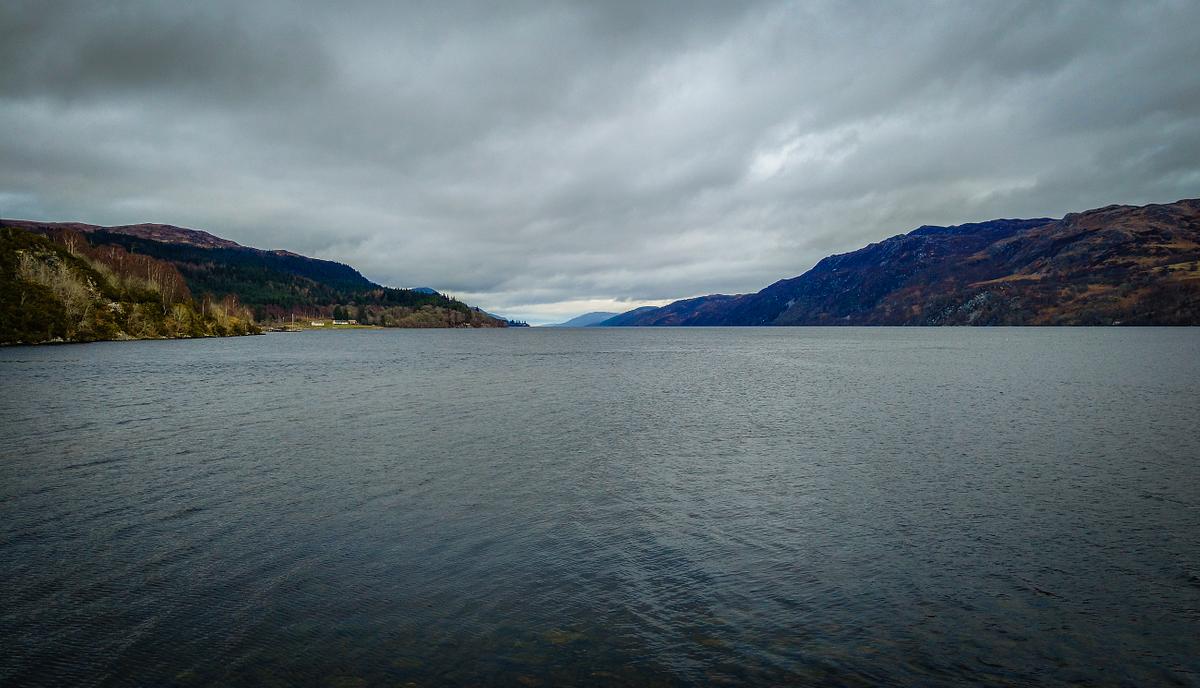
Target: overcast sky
pixel 549 158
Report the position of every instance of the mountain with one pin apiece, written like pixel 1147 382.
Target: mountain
pixel 1118 264
pixel 277 284
pixel 626 318
pixel 585 320
pixel 699 310
pixel 72 291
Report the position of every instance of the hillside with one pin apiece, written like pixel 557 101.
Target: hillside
pixel 275 285
pixel 71 291
pixel 1119 264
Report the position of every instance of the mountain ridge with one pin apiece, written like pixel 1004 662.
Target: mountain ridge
pixel 1116 264
pixel 147 230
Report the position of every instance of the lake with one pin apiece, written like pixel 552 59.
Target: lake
pixel 604 507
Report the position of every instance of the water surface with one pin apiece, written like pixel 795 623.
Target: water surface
pixel 555 507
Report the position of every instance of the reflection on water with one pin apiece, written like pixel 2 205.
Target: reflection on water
pixel 556 507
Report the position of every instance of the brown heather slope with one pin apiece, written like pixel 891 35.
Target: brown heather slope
pixel 1119 264
pixel 153 232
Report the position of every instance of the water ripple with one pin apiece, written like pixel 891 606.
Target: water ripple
pixel 624 507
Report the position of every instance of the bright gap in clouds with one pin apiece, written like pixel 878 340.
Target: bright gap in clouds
pixel 562 311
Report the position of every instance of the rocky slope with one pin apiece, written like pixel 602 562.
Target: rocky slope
pixel 1119 264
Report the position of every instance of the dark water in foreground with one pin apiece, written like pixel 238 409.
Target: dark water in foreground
pixel 555 507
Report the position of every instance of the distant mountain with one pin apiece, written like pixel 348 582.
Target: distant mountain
pixel 425 290
pixel 683 312
pixel 273 284
pixel 626 318
pixel 585 320
pixel 1118 264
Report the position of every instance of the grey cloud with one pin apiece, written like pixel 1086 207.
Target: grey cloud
pixel 533 154
pixel 86 50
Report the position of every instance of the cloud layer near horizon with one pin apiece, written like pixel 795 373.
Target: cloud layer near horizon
pixel 545 159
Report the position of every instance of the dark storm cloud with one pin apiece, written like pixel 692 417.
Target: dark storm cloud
pixel 550 158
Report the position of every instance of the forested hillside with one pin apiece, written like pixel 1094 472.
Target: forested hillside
pixel 275 285
pixel 68 290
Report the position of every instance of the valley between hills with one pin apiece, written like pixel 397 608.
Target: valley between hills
pixel 1118 265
